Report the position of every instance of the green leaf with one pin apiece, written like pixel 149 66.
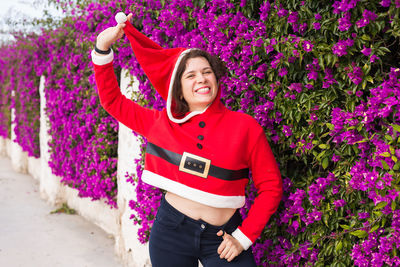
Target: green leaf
pixel 323 146
pixel 314 239
pixel 64 209
pixel 388 137
pixel 331 126
pixel 396 166
pixel 396 127
pixel 385 165
pixel 359 233
pixel 329 250
pixel 383 222
pixel 344 226
pixel 321 154
pixel 378 213
pixel 325 218
pixel 339 246
pixel 369 79
pixel 385 154
pixel 381 205
pixel 366 37
pixel 325 163
pixel 373 229
pixel 364 84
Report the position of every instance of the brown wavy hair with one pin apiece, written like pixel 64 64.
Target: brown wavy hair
pixel 218 67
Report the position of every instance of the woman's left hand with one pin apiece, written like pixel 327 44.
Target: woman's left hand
pixel 229 248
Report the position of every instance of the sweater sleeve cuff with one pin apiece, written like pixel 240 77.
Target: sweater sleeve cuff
pixel 102 60
pixel 243 240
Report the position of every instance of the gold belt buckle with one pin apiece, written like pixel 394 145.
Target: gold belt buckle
pixel 194 165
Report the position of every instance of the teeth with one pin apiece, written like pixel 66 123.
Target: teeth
pixel 203 90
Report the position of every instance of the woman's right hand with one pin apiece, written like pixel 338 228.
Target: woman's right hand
pixel 110 35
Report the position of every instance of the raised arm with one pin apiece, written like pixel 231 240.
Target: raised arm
pixel 127 112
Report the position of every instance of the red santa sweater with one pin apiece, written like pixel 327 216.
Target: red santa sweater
pixel 206 158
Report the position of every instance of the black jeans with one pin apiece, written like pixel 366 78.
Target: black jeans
pixel 177 240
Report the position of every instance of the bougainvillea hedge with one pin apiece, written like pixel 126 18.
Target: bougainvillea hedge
pixel 20 91
pixel 83 137
pixel 5 89
pixel 321 77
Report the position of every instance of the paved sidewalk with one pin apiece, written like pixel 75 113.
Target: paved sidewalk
pixel 31 236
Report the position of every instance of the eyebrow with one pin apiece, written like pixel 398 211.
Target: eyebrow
pixel 206 68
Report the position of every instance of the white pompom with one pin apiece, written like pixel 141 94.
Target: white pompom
pixel 120 17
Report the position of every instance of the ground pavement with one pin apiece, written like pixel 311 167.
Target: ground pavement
pixel 30 236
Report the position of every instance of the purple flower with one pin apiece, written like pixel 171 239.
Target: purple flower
pixel 261 70
pixel 312 75
pixel 328 79
pixel 363 215
pixel 307 46
pixel 316 26
pixel 282 13
pixel 344 5
pixel 315 189
pixel 287 130
pixel 293 228
pixel 291 59
pixel 339 203
pixel 309 86
pixel 335 158
pixel 269 49
pixel 317 16
pixel 303 28
pixel 293 17
pixel 313 216
pixel 282 72
pixel 340 48
pixel 368 16
pixel 264 10
pixel 295 87
pixel 313 70
pixel 385 3
pixel 366 51
pixel 344 22
pixel 356 75
pixel 373 58
pixel 335 189
pixel 313 117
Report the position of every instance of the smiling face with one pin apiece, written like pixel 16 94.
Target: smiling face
pixel 199 84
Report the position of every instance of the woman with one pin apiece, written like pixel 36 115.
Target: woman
pixel 198 151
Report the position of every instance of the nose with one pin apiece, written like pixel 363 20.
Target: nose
pixel 201 78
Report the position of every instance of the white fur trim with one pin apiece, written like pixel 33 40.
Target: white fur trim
pixel 102 60
pixel 202 197
pixel 169 99
pixel 120 17
pixel 243 240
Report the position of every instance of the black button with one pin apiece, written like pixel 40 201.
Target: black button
pixel 199 146
pixel 200 137
pixel 202 124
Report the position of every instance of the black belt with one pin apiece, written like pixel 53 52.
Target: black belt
pixel 196 165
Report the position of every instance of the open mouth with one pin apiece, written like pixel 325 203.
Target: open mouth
pixel 203 90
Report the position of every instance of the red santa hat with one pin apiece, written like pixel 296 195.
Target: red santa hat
pixel 159 64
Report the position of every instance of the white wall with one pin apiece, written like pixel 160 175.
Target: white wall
pixel 19 159
pixel 127 244
pixel 114 221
